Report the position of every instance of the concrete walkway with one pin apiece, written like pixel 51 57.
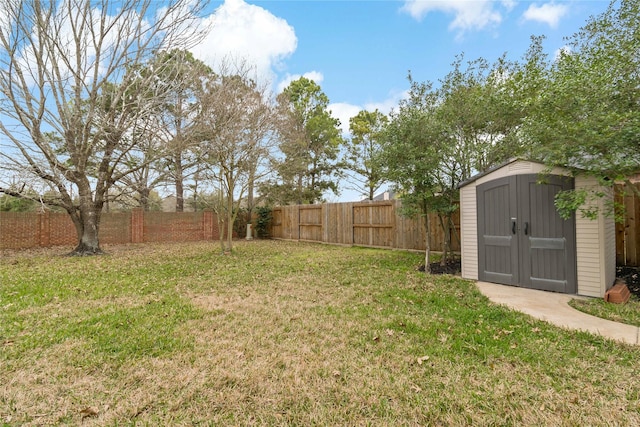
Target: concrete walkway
pixel 554 308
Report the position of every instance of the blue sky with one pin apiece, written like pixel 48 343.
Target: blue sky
pixel 360 51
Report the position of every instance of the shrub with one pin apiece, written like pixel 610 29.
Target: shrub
pixel 263 222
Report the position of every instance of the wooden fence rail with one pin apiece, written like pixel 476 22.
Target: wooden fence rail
pixel 628 232
pixel 375 224
pixel 379 224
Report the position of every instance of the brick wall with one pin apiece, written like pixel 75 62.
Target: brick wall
pixel 173 226
pixel 116 227
pixel 57 229
pixel 19 230
pixel 23 230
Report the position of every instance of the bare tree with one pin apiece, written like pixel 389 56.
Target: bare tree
pixel 237 129
pixel 147 166
pixel 71 93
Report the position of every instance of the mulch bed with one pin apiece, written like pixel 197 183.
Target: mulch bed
pixel 631 275
pixel 452 267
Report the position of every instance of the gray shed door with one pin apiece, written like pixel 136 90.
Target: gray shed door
pixel 522 240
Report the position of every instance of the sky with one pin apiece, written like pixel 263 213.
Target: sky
pixel 360 52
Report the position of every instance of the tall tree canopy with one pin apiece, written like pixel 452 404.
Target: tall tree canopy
pixel 586 114
pixel 413 151
pixel 310 141
pixel 477 110
pixel 69 79
pixel 184 78
pixel 362 152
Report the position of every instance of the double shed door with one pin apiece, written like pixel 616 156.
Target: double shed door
pixel 522 240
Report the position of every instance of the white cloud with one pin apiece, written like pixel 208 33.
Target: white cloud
pixel 316 76
pixel 509 4
pixel 388 104
pixel 548 13
pixel 249 33
pixel 564 50
pixel 468 15
pixel 343 112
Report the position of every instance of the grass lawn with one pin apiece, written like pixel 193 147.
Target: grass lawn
pixel 283 333
pixel 628 312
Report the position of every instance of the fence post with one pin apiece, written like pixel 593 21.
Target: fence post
pixel 296 209
pixel 324 221
pixel 137 225
pixel 45 229
pixel 395 228
pixel 207 224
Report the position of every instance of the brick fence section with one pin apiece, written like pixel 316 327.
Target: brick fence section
pixel 23 230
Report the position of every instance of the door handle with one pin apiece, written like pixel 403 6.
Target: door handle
pixel 526 228
pixel 513 226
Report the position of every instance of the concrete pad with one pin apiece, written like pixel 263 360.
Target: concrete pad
pixel 554 308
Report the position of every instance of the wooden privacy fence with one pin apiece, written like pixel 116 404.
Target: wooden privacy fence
pixel 375 224
pixel 628 232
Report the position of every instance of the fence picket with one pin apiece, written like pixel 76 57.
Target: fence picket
pixel 374 224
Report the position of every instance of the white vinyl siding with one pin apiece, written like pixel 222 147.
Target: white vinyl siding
pixel 609 252
pixel 595 247
pixel 469 231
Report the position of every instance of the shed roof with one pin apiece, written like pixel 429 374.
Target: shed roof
pixel 491 169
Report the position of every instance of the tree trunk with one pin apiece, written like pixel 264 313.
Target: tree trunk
pixel 179 186
pixel 250 191
pixel 221 231
pixel 144 199
pixel 427 251
pixel 230 220
pixel 446 250
pixel 87 223
pixel 299 190
pixel 220 216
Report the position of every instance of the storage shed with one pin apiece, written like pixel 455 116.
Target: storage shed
pixel 511 232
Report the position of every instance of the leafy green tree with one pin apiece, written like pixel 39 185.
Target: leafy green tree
pixel 362 152
pixel 310 142
pixel 477 112
pixel 413 153
pixel 586 117
pixel 183 77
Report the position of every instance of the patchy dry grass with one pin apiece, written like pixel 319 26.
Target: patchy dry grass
pixel 287 334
